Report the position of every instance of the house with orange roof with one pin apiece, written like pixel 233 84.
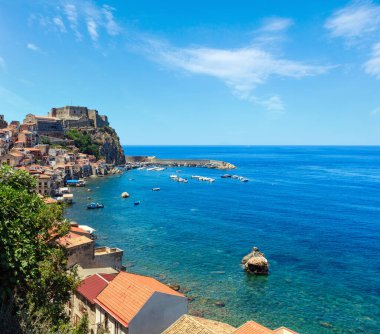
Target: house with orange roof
pixel 252 327
pixel 137 304
pixel 81 251
pixel 82 302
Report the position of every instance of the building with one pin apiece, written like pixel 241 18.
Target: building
pixel 76 117
pixel 29 138
pixel 3 123
pixel 46 126
pixel 83 300
pixel 82 251
pixel 137 304
pixel 44 185
pixel 13 159
pixel 195 325
pixel 251 327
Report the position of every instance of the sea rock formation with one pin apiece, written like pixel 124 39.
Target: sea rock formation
pixel 108 143
pixel 255 262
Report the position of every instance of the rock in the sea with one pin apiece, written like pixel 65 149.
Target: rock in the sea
pixel 175 287
pixel 219 303
pixel 124 195
pixel 256 263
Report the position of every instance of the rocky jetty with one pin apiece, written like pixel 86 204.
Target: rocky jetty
pixel 255 263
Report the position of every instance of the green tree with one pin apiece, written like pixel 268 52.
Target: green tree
pixel 33 272
pixel 83 141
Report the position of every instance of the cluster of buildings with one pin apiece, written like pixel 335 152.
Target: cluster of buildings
pixel 117 302
pixel 38 146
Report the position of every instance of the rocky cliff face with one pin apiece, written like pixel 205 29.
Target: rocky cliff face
pixel 109 144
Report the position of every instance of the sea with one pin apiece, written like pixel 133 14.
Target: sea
pixel 313 211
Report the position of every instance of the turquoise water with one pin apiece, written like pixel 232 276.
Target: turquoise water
pixel 313 211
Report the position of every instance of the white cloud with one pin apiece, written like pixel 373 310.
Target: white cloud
pixel 276 24
pixel 32 47
pixel 372 66
pixel 72 16
pixel 274 104
pixel 242 69
pixel 95 18
pixel 59 23
pixel 110 24
pixel 92 29
pixel 354 21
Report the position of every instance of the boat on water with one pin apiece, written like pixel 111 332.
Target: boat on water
pixel 151 168
pixel 226 176
pixel 137 203
pixel 141 168
pixel 95 206
pixel 158 169
pixel 173 176
pixel 156 189
pixel 244 179
pixel 235 176
pixel 196 177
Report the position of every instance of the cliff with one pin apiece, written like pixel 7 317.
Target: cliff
pixel 102 142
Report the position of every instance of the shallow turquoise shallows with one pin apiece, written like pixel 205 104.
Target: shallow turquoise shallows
pixel 313 211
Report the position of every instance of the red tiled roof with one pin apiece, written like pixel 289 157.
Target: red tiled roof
pixel 251 327
pixel 126 295
pixel 90 287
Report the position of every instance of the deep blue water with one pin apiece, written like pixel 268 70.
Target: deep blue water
pixel 313 211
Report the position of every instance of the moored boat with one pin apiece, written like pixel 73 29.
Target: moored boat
pixel 95 206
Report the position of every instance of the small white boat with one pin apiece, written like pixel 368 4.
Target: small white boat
pixel 159 169
pixel 156 189
pixel 141 168
pixel 235 176
pixel 151 168
pixel 173 176
pixel 244 179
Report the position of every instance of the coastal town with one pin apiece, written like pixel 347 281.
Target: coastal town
pixel 114 300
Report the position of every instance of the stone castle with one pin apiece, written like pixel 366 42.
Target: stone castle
pixel 78 117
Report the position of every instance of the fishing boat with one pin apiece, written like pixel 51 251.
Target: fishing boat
pixel 156 189
pixel 95 206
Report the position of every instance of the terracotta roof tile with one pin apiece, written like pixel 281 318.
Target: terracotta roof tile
pixel 93 285
pixel 251 327
pixel 188 324
pixel 125 296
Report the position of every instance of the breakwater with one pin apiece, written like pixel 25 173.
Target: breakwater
pixel 138 161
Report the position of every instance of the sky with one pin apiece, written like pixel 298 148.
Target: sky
pixel 199 72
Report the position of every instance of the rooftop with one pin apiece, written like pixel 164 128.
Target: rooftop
pixel 125 296
pixel 73 240
pixel 251 327
pixel 83 273
pixel 188 324
pixel 93 285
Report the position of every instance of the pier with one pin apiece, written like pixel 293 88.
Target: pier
pixel 138 161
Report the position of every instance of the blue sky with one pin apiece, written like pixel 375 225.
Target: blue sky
pixel 199 72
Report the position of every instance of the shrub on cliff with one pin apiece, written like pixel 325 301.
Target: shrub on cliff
pixel 34 281
pixel 83 141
